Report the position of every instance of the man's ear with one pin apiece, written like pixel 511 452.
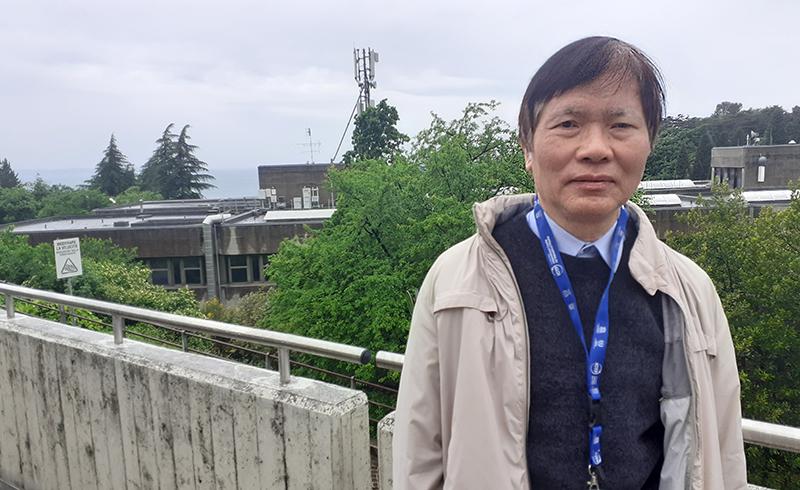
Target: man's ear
pixel 528 153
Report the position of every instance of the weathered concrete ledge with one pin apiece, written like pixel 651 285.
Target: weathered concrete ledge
pixel 79 412
pixel 385 432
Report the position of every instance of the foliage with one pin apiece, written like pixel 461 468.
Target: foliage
pixel 17 204
pixel 21 263
pixel 134 194
pixel 683 147
pixel 188 177
pixel 114 173
pixel 355 280
pixel 249 310
pixel 65 201
pixel 755 265
pixel 173 171
pixel 154 172
pixel 40 200
pixel 8 178
pixel 375 136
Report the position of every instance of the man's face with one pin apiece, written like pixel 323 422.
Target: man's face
pixel 588 153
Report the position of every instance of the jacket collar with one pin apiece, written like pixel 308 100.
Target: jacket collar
pixel 647 262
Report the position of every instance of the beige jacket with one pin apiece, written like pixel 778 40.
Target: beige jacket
pixel 462 411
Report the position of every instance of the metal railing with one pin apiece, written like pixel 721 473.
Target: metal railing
pixel 284 343
pixel 764 434
pixel 755 432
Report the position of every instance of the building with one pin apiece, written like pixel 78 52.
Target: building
pixel 217 248
pixel 292 186
pixel 756 167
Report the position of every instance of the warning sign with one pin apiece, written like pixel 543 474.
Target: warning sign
pixel 68 258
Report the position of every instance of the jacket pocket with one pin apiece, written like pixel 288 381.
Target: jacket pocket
pixel 471 300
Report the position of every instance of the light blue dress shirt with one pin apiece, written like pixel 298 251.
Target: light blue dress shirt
pixel 570 245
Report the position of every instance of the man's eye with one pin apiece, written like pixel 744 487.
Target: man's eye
pixel 567 124
pixel 622 125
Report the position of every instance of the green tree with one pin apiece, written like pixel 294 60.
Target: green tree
pixel 8 178
pixel 65 201
pixel 188 176
pixel 114 173
pixel 17 204
pixel 375 136
pixel 755 265
pixel 355 280
pixel 134 194
pixel 174 171
pixel 727 109
pixel 154 175
pixel 26 265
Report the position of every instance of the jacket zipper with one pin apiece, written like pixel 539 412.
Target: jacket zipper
pixel 495 247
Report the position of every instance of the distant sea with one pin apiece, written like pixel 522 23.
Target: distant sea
pixel 230 182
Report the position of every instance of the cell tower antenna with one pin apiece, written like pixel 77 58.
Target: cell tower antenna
pixel 311 145
pixel 364 69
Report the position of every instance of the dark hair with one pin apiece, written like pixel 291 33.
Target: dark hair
pixel 584 61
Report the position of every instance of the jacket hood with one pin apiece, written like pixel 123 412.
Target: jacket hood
pixel 647 260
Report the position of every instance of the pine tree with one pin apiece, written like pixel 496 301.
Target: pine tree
pixel 8 178
pixel 189 176
pixel 114 174
pixel 154 173
pixel 174 171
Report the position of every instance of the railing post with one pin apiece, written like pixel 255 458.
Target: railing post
pixel 283 364
pixel 352 382
pixel 184 341
pixel 10 311
pixel 118 324
pixel 62 314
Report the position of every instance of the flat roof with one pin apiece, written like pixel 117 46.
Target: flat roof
pixel 667 184
pixel 298 165
pixel 188 205
pixel 298 214
pixel 768 195
pixel 663 200
pixel 106 223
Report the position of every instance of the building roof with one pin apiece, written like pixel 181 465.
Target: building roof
pixel 658 200
pixel 298 214
pixel 667 184
pixel 769 195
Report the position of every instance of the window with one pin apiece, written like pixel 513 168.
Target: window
pixel 255 268
pixel 237 268
pixel 761 173
pixel 192 270
pixel 315 197
pixel 159 271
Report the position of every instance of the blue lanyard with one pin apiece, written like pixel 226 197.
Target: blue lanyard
pixel 596 355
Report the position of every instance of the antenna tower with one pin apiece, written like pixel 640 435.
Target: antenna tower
pixel 311 144
pixel 364 67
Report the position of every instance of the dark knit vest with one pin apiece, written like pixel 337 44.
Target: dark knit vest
pixel 558 435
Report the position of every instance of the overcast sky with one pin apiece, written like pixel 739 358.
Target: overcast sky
pixel 251 76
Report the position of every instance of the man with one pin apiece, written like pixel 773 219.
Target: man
pixel 563 345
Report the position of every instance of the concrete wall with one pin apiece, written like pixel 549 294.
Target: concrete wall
pixel 78 412
pixel 289 180
pixel 385 433
pixel 150 242
pixel 783 164
pixel 258 239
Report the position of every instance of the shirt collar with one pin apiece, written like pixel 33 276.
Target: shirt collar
pixel 569 244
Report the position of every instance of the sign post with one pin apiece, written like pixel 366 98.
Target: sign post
pixel 68 260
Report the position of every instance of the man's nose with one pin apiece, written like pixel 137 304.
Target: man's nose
pixel 595 145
